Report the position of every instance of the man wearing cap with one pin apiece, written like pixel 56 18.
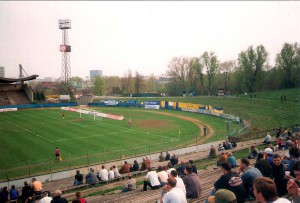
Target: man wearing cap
pixel 173 195
pixel 223 196
pixel 269 156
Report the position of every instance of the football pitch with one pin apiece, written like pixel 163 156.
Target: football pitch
pixel 29 137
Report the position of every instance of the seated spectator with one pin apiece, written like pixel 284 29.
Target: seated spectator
pixel 4 195
pixel 130 184
pixel 174 160
pixel 91 177
pixel 223 196
pixel 194 168
pixel 253 152
pixel 192 183
pixel 103 174
pixel 36 186
pixel 269 155
pixel 151 180
pixel 263 165
pixel 180 169
pixel 144 165
pixel 221 147
pixel 280 144
pixel 231 159
pixel 180 183
pixel 161 157
pixel 268 139
pixel 125 168
pixel 173 194
pixel 249 174
pixel 230 146
pixel 78 178
pixel 111 173
pixel 26 192
pixel 225 146
pixel 168 156
pixel 13 193
pixel 148 161
pixel 46 198
pixel 116 172
pixel 279 175
pixel 57 197
pixel 265 191
pixel 222 158
pixel 135 166
pixel 162 176
pixel 294 157
pixel 212 151
pixel 170 168
pixel 78 197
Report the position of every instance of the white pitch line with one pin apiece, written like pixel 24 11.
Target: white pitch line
pixel 76 124
pixel 27 130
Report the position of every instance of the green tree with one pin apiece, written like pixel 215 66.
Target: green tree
pixel 251 65
pixel 226 68
pixel 288 60
pixel 98 86
pixel 195 74
pixel 138 82
pixel 211 64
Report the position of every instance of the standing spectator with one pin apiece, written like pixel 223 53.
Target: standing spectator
pixel 278 175
pixel 116 172
pixel 130 184
pixel 194 168
pixel 162 176
pixel 167 156
pixel 161 157
pixel 91 177
pixel 78 178
pixel 204 130
pixel 78 197
pixel 13 193
pixel 180 183
pixel 265 191
pixel 268 139
pixel 111 173
pixel 263 165
pixel 125 168
pixel 173 194
pixel 192 183
pixel 103 174
pixel 46 198
pixel 26 192
pixel 151 180
pixel 231 159
pixel 57 197
pixel 4 195
pixel 181 169
pixel 36 186
pixel 174 160
pixel 212 151
pixel 249 174
pixel 57 154
pixel 135 166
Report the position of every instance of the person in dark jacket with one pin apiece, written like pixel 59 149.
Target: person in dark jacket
pixel 135 166
pixel 263 165
pixel 278 175
pixel 26 192
pixel 57 197
pixel 174 160
pixel 191 164
pixel 4 195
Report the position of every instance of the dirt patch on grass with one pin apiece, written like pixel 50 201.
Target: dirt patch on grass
pixel 152 124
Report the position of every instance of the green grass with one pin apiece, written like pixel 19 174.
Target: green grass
pixel 29 138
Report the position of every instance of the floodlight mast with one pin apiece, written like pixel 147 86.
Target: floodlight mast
pixel 64 25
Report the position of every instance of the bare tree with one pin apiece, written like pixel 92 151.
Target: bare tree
pixel 211 64
pixel 138 82
pixel 226 68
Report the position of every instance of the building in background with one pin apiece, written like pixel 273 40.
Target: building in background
pixel 2 72
pixel 95 73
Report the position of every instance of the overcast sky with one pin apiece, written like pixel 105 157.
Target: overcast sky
pixel 141 36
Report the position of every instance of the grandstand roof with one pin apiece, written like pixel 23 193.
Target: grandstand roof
pixel 12 80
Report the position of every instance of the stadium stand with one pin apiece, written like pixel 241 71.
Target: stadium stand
pixel 15 94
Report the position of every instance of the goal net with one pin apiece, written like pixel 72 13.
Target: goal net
pixel 91 116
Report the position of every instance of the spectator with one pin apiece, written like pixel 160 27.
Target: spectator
pixel 130 184
pixel 161 157
pixel 46 198
pixel 223 196
pixel 231 159
pixel 263 165
pixel 212 151
pixel 78 178
pixel 222 158
pixel 167 156
pixel 36 186
pixel 170 168
pixel 4 195
pixel 125 168
pixel 135 166
pixel 221 147
pixel 78 197
pixel 173 193
pixel 174 160
pixel 265 191
pixel 269 155
pixel 116 172
pixel 91 177
pixel 57 197
pixel 225 146
pixel 111 173
pixel 162 176
pixel 26 192
pixel 194 168
pixel 249 174
pixel 151 180
pixel 103 174
pixel 294 155
pixel 180 183
pixel 192 183
pixel 13 193
pixel 268 139
pixel 279 175
pixel 253 152
pixel 148 161
pixel 181 169
pixel 278 132
pixel 144 165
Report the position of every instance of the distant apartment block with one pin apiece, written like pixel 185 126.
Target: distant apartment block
pixel 2 72
pixel 95 73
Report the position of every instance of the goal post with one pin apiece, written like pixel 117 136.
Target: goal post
pixel 91 116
